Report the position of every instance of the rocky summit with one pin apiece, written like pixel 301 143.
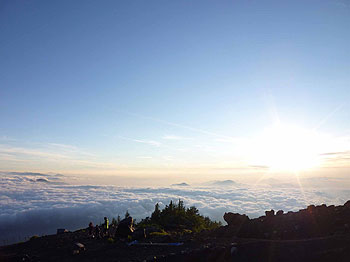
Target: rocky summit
pixel 316 233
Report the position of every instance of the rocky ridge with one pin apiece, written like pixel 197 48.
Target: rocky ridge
pixel 316 233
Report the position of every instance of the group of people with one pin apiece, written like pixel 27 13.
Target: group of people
pixel 97 231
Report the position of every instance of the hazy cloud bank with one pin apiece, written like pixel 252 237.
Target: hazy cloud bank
pixel 32 203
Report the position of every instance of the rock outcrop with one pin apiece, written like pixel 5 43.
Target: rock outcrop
pixel 314 221
pixel 235 219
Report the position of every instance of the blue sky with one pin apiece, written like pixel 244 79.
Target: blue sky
pixel 99 87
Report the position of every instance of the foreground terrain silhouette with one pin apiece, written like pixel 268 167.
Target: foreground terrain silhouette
pixel 317 233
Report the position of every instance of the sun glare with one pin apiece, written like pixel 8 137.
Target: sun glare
pixel 287 148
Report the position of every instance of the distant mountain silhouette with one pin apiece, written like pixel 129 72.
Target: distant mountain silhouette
pixel 181 184
pixel 42 180
pixel 27 174
pixel 223 183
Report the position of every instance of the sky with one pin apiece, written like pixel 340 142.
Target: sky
pixel 197 89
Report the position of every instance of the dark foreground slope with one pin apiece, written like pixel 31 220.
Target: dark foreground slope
pixel 314 234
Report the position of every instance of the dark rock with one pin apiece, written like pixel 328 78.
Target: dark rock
pixel 331 207
pixel 79 246
pixel 347 204
pixel 311 208
pixel 270 213
pixel 61 231
pixel 279 213
pixel 235 219
pixel 139 234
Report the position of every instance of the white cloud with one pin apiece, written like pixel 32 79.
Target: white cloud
pixel 149 142
pixel 143 141
pixel 47 156
pixel 6 149
pixel 173 137
pixel 64 146
pixel 29 206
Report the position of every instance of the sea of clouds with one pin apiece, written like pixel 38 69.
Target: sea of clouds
pixel 38 204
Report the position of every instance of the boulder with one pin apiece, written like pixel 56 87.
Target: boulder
pixel 61 231
pixel 270 213
pixel 347 204
pixel 78 248
pixel 235 219
pixel 314 221
pixel 311 208
pixel 279 213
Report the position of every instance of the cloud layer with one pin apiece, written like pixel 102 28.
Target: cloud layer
pixel 32 203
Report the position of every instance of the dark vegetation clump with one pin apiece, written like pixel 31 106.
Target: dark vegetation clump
pixel 176 217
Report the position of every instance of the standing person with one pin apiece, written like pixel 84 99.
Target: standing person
pixel 91 230
pixel 105 226
pixel 97 232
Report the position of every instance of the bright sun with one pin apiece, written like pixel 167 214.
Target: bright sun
pixel 287 148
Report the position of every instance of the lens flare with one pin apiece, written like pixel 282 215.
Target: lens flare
pixel 287 148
